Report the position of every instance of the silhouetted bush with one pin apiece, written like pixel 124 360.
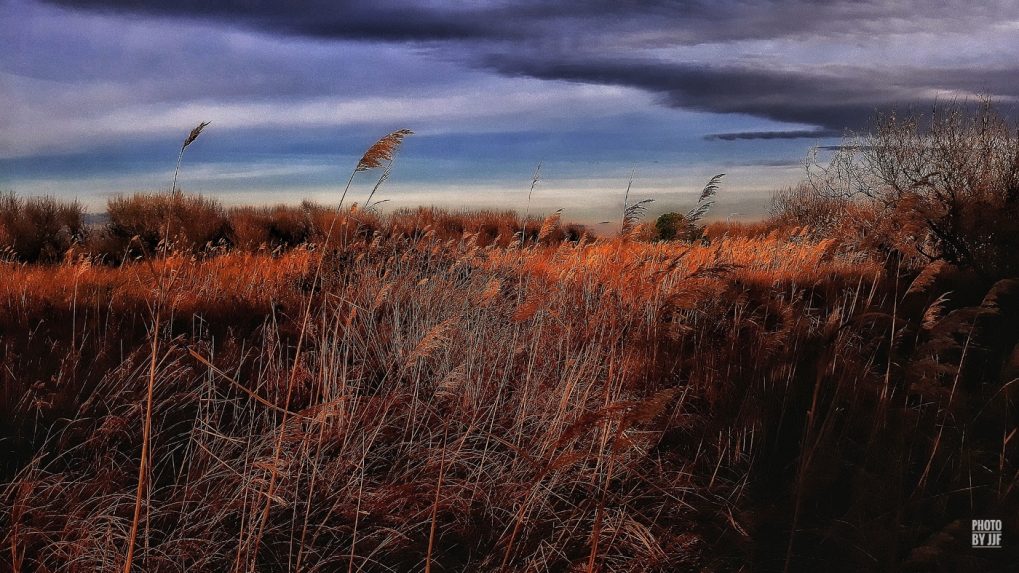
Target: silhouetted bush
pixel 138 223
pixel 39 229
pixel 277 226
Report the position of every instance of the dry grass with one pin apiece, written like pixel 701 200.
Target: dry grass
pixel 460 403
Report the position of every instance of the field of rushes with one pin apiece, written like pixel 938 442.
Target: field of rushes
pixel 608 405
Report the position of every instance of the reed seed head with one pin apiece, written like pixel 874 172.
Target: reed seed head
pixel 194 134
pixel 383 150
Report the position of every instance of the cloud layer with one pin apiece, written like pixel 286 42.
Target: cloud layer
pixel 765 59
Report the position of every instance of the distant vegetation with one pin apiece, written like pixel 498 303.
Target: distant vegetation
pixel 200 225
pixel 39 228
pixel 303 388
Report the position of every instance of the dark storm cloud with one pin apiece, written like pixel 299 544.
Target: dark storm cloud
pixel 836 98
pixel 831 101
pixel 793 134
pixel 619 43
pixel 318 18
pixel 673 21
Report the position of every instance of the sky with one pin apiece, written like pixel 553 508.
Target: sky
pixel 97 95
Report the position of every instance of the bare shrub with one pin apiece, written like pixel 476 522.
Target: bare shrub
pixel 39 229
pixel 943 186
pixel 804 206
pixel 138 222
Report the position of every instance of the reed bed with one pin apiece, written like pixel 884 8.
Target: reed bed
pixel 423 392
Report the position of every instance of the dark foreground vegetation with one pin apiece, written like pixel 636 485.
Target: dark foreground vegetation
pixel 306 389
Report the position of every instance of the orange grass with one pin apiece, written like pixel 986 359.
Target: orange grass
pixel 255 278
pixel 460 403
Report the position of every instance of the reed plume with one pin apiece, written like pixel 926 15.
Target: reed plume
pixel 382 152
pixel 550 224
pixel 187 141
pixel 704 201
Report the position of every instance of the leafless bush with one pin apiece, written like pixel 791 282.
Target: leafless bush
pixel 138 222
pixel 39 228
pixel 804 206
pixel 945 186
